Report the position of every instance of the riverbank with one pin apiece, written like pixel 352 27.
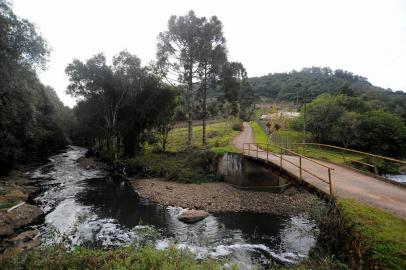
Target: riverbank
pixel 16 212
pixel 221 197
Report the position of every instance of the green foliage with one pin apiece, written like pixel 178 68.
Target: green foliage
pixel 189 167
pixel 33 122
pixel 218 135
pixel 58 258
pixel 352 122
pixel 315 81
pixel 7 204
pixel 121 102
pixel 382 235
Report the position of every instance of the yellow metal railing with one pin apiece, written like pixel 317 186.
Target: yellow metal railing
pixel 257 148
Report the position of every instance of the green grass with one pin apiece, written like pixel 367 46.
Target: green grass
pixel 259 134
pixel 7 204
pixel 196 166
pixel 383 235
pixel 219 136
pixel 58 258
pixel 316 152
pixel 332 155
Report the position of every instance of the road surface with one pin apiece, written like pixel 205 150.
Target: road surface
pixel 346 182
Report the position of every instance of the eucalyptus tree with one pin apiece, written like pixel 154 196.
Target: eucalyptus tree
pixel 178 56
pixel 236 90
pixel 107 86
pixel 212 56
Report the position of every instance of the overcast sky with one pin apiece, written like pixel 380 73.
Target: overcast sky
pixel 367 37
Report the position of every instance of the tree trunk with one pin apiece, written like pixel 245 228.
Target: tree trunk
pixel 189 110
pixel 204 142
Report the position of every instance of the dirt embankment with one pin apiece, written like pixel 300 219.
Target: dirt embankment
pixel 221 197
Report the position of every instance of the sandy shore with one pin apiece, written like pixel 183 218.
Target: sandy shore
pixel 222 197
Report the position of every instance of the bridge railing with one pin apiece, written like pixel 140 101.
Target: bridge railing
pixel 270 149
pixel 345 155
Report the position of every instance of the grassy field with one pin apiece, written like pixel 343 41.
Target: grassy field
pixel 382 235
pixel 316 152
pixel 219 136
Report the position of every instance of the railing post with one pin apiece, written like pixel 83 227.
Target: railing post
pixel 376 170
pixel 257 150
pixel 249 149
pixel 300 168
pixel 329 182
pixel 267 152
pixel 281 159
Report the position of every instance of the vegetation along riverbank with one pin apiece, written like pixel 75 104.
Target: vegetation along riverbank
pixel 165 141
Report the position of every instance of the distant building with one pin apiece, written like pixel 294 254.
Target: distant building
pixel 278 115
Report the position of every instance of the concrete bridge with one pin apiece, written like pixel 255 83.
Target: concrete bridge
pixel 329 178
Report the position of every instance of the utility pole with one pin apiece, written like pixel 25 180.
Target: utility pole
pixel 298 85
pixel 304 122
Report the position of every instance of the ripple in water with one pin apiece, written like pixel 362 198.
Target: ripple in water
pixel 89 208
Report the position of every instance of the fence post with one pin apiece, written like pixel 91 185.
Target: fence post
pixel 267 152
pixel 281 158
pixel 249 149
pixel 329 182
pixel 300 168
pixel 257 150
pixel 376 170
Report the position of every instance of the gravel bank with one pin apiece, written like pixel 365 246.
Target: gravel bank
pixel 221 197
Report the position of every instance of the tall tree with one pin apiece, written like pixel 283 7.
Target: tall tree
pixel 29 127
pixel 178 56
pixel 237 90
pixel 212 56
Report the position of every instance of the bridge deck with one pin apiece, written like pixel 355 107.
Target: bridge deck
pixel 346 182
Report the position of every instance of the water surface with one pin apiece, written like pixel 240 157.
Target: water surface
pixel 90 208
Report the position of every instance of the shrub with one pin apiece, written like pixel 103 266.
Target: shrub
pixel 237 126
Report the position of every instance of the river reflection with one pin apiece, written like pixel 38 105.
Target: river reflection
pixel 96 210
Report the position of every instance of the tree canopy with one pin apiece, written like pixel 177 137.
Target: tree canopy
pixel 33 121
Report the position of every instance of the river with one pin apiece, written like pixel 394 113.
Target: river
pixel 91 208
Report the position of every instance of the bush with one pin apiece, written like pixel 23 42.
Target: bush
pixel 237 126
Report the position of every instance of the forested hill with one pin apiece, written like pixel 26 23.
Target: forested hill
pixel 311 82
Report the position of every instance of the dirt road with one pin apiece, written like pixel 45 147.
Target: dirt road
pixel 346 182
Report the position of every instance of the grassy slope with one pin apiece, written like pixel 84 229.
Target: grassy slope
pixel 119 258
pixel 382 234
pixel 311 151
pixel 185 165
pixel 219 136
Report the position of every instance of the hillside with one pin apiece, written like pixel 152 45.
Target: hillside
pixel 311 82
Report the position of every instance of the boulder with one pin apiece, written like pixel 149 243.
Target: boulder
pixel 24 239
pixel 192 216
pixel 16 195
pixel 18 217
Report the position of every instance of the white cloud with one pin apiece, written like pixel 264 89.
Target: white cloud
pixel 365 37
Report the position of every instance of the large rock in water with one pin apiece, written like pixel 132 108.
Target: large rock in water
pixel 192 216
pixel 18 217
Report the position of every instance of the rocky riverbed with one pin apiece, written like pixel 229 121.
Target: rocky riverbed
pixel 16 213
pixel 222 197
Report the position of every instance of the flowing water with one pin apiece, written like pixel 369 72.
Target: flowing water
pixel 401 178
pixel 90 208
